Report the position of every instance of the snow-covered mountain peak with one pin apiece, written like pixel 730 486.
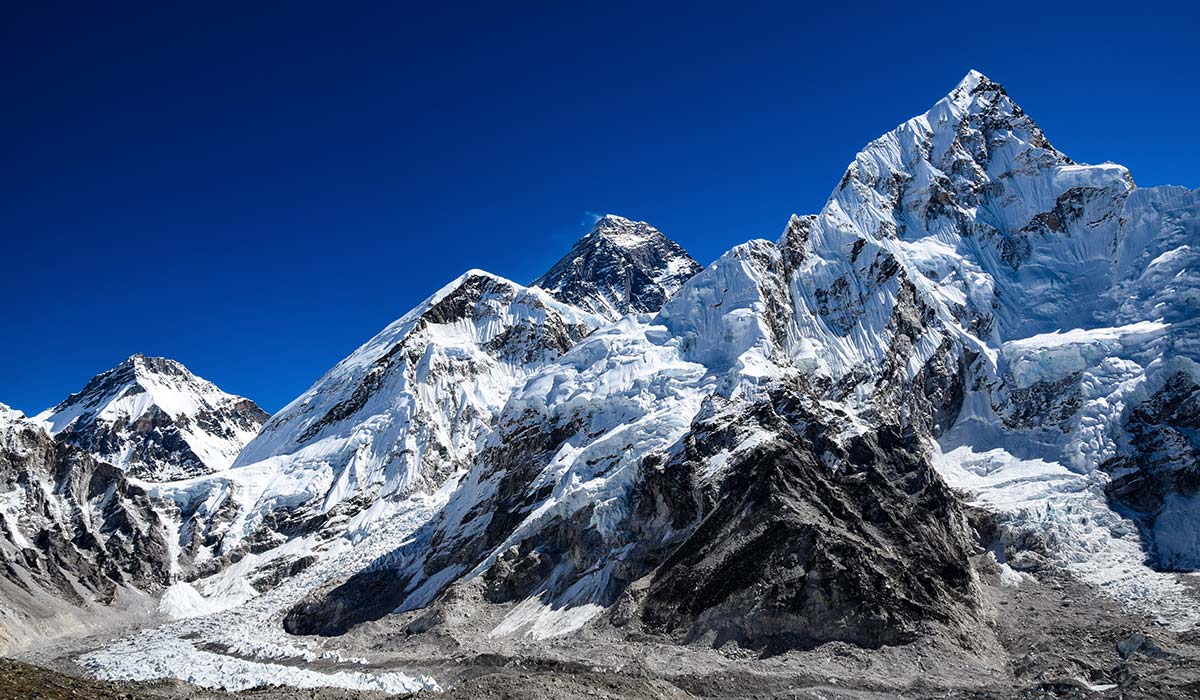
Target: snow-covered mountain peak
pixel 623 232
pixel 972 82
pixel 621 266
pixel 153 418
pixel 411 406
pixel 9 414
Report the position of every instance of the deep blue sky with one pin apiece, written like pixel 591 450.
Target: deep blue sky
pixel 255 192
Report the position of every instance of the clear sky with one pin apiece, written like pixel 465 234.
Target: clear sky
pixel 255 191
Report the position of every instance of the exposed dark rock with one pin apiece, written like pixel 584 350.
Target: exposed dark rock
pixel 795 553
pixel 91 530
pixel 619 267
pixel 1162 467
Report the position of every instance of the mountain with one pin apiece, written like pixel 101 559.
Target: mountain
pixel 906 339
pixel 401 415
pixel 619 267
pixel 156 420
pixel 75 534
pixel 938 437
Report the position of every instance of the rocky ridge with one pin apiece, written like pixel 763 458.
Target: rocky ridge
pixel 619 267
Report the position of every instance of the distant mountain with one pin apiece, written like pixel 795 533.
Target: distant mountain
pixel 619 267
pixel 155 420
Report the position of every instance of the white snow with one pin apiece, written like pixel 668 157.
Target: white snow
pixel 177 392
pixel 255 649
pixel 156 657
pixel 181 600
pixel 1070 513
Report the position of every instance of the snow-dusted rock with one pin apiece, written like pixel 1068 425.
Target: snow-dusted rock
pixel 156 420
pixel 619 267
pixel 74 533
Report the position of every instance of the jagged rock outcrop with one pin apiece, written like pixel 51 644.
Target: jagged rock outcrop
pixel 808 542
pixel 74 531
pixel 619 267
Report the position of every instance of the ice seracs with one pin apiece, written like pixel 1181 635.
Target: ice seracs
pixel 156 420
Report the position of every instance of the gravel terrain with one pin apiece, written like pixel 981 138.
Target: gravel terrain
pixel 1049 637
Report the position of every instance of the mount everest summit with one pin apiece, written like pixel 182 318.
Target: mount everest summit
pixel 970 378
pixel 619 267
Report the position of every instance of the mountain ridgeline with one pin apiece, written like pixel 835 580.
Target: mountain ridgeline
pixel 977 348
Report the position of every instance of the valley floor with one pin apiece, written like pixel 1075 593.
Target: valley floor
pixel 1050 637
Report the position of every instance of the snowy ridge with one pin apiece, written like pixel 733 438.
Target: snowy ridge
pixel 156 420
pixel 410 407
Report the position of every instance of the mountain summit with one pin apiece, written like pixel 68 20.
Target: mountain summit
pixel 156 420
pixel 620 267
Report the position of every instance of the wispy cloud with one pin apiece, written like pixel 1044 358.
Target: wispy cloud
pixel 589 218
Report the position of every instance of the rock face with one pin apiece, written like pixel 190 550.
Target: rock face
pixel 156 420
pixel 1157 478
pixel 619 267
pixel 73 530
pixel 793 554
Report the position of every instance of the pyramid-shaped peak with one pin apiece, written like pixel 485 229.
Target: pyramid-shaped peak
pixel 143 365
pixel 623 232
pixel 621 266
pixel 971 80
pixel 972 84
pixel 152 417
